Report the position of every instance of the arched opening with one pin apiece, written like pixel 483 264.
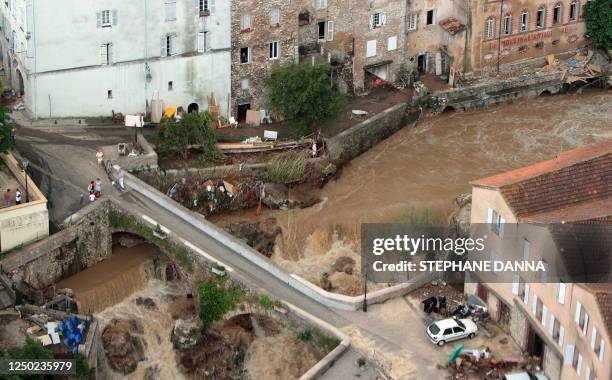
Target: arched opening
pixel 193 107
pixel 449 109
pixel 545 93
pixel 21 83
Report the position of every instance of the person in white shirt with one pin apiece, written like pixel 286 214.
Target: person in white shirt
pixel 17 197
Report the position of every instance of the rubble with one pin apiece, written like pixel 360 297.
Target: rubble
pixel 576 69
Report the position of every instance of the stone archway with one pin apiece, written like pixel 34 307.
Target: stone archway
pixel 193 107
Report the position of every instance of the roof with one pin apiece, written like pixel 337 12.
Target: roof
pixel 452 25
pixel 446 323
pixel 603 295
pixel 576 185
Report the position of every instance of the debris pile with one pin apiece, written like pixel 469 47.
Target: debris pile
pixel 464 363
pixel 576 69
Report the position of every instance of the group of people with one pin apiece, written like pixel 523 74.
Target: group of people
pixel 8 198
pixel 95 189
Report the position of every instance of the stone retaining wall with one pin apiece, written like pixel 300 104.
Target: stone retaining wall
pixel 84 242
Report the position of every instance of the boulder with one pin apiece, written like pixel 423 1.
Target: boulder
pixel 344 264
pixel 148 303
pixel 123 344
pixel 325 282
pixel 184 333
pixel 278 196
pixel 463 199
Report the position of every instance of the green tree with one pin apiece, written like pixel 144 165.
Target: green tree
pixel 6 131
pixel 214 302
pixel 598 16
pixel 304 95
pixel 193 129
pixel 32 349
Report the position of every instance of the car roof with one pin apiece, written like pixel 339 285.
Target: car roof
pixel 446 323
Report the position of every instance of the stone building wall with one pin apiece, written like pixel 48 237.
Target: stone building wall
pixel 551 363
pixel 258 39
pixel 566 35
pixel 518 326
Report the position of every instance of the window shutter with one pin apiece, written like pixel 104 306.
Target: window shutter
pixel 201 37
pixel 534 304
pixel 163 46
pixel 489 215
pixel 173 44
pixel 502 222
pixel 602 349
pixel 593 338
pixel 99 19
pixel 416 21
pixel 110 53
pixel 515 285
pixel 544 315
pixel 103 54
pixel 561 335
pixel 585 328
pixel 551 327
pixel 114 17
pixel 526 297
pixel 371 22
pixel 211 6
pixel 383 19
pixel 561 295
pixel 588 373
pixel 569 355
pixel 330 30
pixel 577 316
pixel 579 366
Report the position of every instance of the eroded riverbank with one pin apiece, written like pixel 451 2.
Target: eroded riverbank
pixel 425 168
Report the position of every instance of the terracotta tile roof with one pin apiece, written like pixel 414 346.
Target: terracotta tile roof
pixel 571 181
pixel 603 295
pixel 599 210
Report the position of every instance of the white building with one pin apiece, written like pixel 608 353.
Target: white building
pixel 78 58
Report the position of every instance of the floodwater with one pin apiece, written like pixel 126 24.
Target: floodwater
pixel 112 280
pixel 426 167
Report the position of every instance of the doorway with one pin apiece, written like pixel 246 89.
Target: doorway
pixel 535 344
pixel 193 107
pixel 242 111
pixel 482 293
pixel 422 63
pixel 21 83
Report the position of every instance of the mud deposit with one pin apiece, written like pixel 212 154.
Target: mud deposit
pixel 425 168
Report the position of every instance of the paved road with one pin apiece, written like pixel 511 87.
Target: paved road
pixel 64 161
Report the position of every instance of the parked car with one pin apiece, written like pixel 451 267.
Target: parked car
pixel 525 376
pixel 446 330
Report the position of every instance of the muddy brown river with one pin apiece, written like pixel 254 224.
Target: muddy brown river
pixel 425 168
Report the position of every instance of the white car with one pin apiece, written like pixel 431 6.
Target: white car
pixel 525 376
pixel 446 330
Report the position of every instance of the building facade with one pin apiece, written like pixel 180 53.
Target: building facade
pixel 568 325
pixel 98 56
pixel 507 31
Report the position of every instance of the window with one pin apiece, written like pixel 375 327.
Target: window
pixel 526 249
pixel 557 331
pixel 275 16
pixel 170 6
pixel 106 51
pixel 304 18
pixel 245 55
pixel 524 21
pixel 557 14
pixel 106 18
pixel 377 20
pixel 507 25
pixel 582 318
pixel 392 43
pixel 202 41
pixel 495 221
pixel 330 30
pixel 244 84
pixel 371 49
pixel 204 7
pixel 596 341
pixel 321 29
pixel 573 11
pixel 320 4
pixel 490 30
pixel 273 50
pixel 539 310
pixel 412 21
pixel 109 94
pixel 430 17
pixel 168 45
pixel 170 86
pixel 577 361
pixel 541 17
pixel 561 292
pixel 246 23
pixel 516 282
